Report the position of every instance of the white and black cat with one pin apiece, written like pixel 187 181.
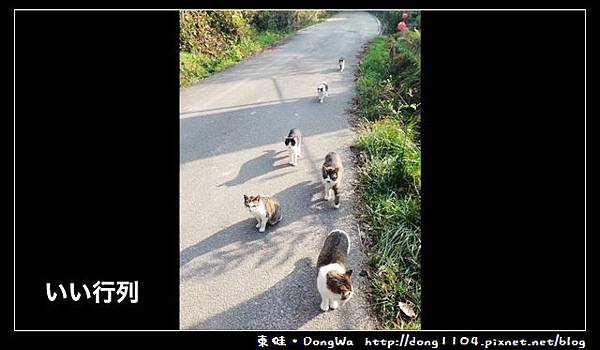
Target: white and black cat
pixel 266 209
pixel 341 63
pixel 293 142
pixel 332 177
pixel 322 90
pixel 334 277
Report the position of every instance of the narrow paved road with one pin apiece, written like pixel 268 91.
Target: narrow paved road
pixel 232 129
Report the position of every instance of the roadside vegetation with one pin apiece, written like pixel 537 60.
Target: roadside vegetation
pixel 211 41
pixel 389 180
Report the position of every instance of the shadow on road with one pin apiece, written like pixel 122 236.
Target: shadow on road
pixel 210 135
pixel 256 167
pixel 289 304
pixel 302 62
pixel 231 246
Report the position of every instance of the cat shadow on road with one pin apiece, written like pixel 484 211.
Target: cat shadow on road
pixel 234 244
pixel 239 232
pixel 256 167
pixel 289 304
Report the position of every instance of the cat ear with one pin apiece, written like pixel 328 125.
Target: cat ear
pixel 349 273
pixel 245 198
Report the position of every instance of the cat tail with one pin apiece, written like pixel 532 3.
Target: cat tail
pixel 278 216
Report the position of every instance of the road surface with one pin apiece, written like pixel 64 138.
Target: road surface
pixel 233 126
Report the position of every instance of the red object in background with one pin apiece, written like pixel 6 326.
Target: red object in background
pixel 405 15
pixel 401 26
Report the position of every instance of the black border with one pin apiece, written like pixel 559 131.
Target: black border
pixel 449 95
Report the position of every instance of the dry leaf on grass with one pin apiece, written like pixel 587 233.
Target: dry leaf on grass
pixel 407 309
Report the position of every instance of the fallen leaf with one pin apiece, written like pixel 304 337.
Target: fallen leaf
pixel 407 309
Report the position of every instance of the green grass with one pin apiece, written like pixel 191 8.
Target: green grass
pixel 195 67
pixel 389 184
pixel 395 159
pixel 373 71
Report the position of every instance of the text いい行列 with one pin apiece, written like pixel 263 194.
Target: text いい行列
pixel 107 291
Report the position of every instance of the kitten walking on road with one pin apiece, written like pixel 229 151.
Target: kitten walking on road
pixel 293 142
pixel 266 209
pixel 332 177
pixel 341 63
pixel 334 279
pixel 322 89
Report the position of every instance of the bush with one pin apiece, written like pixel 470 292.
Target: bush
pixel 210 41
pixel 197 34
pixel 286 20
pixel 192 67
pixel 212 32
pixel 232 25
pixel 390 19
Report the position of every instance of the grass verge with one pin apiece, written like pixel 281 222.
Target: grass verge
pixel 389 181
pixel 195 67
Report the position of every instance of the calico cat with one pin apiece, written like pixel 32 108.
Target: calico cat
pixel 332 177
pixel 322 90
pixel 266 209
pixel 341 63
pixel 334 278
pixel 293 142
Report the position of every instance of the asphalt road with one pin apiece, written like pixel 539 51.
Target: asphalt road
pixel 233 126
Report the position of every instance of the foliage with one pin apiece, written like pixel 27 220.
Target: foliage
pixel 388 96
pixel 210 41
pixel 390 19
pixel 406 70
pixel 286 20
pixel 389 82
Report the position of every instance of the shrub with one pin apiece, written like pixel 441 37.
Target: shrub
pixel 232 25
pixel 286 20
pixel 197 34
pixel 221 38
pixel 390 19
